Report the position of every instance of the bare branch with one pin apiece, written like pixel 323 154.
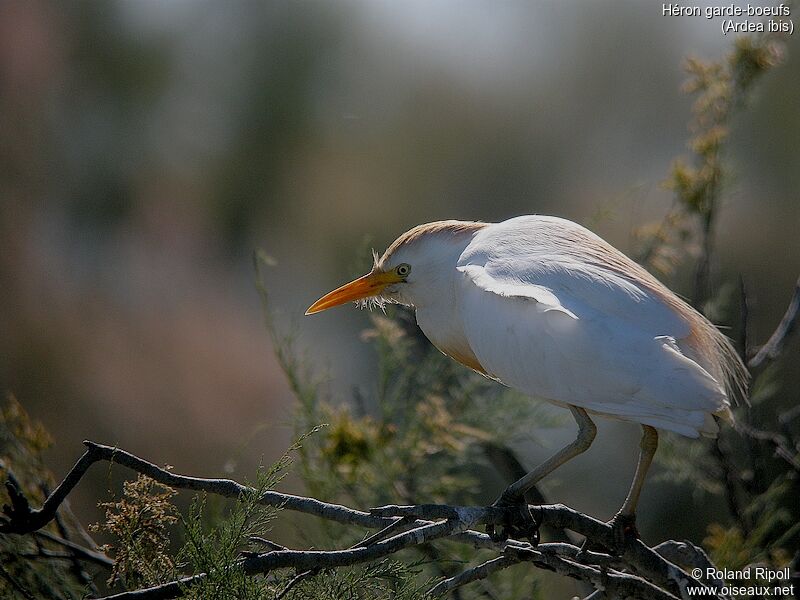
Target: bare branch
pixel 617 584
pixel 303 560
pixel 295 580
pixel 780 444
pixel 634 552
pixel 19 516
pixel 648 573
pixel 548 556
pixel 21 519
pixel 268 543
pixel 507 463
pixel 686 553
pixel 482 571
pixel 772 349
pixel 78 551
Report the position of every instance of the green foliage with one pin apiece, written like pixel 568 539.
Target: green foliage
pixel 775 530
pixel 215 545
pixel 381 580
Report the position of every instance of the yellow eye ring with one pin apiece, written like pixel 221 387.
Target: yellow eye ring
pixel 403 270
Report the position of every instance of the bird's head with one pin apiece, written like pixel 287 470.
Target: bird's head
pixel 412 269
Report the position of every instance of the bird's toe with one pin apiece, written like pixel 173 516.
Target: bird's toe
pixel 517 522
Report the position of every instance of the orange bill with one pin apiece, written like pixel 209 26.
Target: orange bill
pixel 371 284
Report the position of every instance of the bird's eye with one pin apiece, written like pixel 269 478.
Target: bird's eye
pixel 403 270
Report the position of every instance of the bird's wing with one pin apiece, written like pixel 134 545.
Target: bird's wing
pixel 577 333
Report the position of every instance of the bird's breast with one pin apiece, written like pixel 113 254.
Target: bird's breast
pixel 444 330
pixel 463 355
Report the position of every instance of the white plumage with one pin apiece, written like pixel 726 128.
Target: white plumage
pixel 552 310
pixel 576 331
pixel 545 306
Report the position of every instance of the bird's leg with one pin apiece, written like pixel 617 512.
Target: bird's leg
pixel 586 434
pixel 514 495
pixel 624 522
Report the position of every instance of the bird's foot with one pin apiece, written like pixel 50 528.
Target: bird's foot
pixel 623 529
pixel 517 521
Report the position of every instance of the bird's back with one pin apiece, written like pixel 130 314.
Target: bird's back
pixel 551 309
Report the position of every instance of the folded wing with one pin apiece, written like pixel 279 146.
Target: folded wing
pixel 581 332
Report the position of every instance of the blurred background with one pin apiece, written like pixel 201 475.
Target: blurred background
pixel 148 148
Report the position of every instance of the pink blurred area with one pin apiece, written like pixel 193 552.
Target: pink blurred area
pixel 148 148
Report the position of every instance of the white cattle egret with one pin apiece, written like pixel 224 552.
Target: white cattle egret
pixel 544 306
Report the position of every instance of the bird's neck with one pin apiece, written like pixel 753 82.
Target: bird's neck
pixel 436 300
pixel 441 323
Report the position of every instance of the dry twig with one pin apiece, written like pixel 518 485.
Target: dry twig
pixel 635 571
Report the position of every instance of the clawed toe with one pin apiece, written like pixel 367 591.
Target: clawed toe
pixel 517 522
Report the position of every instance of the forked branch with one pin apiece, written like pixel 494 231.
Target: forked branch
pixel 631 570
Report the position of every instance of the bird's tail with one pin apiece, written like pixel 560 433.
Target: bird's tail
pixel 719 357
